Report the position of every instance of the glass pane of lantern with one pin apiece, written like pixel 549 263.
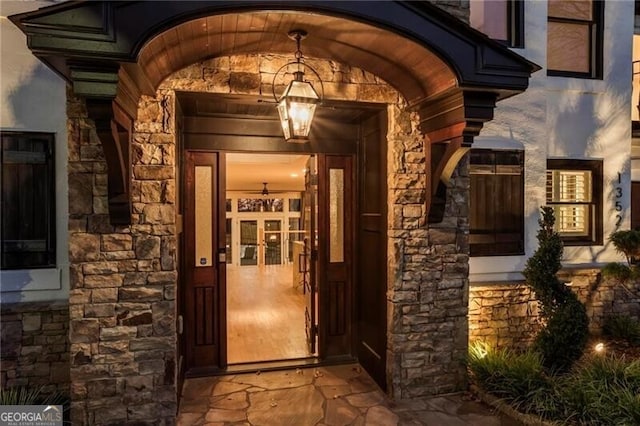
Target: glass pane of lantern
pixel 301 116
pixel 302 89
pixel 284 118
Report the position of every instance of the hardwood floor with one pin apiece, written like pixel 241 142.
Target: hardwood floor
pixel 265 314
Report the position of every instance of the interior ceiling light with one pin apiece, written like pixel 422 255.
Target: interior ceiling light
pixel 298 102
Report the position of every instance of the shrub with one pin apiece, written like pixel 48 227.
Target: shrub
pixel 622 327
pixel 618 271
pixel 515 377
pixel 600 390
pixel 627 242
pixel 562 339
pixel 603 390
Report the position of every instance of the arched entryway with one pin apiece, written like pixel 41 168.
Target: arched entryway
pixel 116 55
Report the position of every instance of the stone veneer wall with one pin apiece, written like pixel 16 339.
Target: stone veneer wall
pixel 506 314
pixel 122 279
pixel 457 8
pixel 34 347
pixel 428 273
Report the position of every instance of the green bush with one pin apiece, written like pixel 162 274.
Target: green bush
pixel 617 270
pixel 562 339
pixel 598 391
pixel 627 242
pixel 603 390
pixel 622 327
pixel 517 378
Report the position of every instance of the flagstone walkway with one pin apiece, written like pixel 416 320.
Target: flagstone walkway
pixel 335 395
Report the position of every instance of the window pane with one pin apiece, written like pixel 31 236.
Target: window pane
pixel 336 215
pixel 260 205
pixel 569 186
pixel 572 220
pixel 571 9
pixel 490 17
pixel 568 47
pixel 574 191
pixel 294 205
pixel 273 242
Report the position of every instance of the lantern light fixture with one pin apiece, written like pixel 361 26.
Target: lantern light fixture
pixel 298 102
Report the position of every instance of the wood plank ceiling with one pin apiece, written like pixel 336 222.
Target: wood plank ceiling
pixel 413 70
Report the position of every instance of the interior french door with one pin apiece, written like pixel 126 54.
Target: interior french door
pixel 260 242
pixel 204 289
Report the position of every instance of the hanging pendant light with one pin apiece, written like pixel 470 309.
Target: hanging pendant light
pixel 298 102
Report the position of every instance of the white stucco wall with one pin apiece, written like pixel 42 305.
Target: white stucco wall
pixel 573 118
pixel 33 98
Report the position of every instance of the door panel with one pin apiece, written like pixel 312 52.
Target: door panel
pixel 335 257
pixel 372 251
pixel 204 261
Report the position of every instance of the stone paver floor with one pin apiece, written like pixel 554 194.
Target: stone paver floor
pixel 334 395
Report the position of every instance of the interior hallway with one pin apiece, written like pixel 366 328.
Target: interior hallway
pixel 265 314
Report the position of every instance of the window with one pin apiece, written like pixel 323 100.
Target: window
pixel 574 38
pixel 502 20
pixel 496 217
pixel 574 190
pixel 27 200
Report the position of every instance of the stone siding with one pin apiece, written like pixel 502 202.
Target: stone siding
pixel 428 272
pixel 34 346
pixel 507 315
pixel 458 8
pixel 123 278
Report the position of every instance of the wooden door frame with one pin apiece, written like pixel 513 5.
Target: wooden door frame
pixel 219 143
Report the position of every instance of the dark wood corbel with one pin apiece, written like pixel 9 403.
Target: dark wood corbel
pixel 112 110
pixel 114 128
pixel 449 122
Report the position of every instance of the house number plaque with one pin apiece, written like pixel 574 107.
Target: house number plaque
pixel 618 205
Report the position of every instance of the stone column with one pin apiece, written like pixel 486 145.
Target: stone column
pixel 123 279
pixel 428 272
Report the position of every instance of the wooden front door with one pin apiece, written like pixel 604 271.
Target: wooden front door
pixel 372 248
pixel 204 289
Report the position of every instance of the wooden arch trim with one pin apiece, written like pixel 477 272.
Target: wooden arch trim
pixel 99 47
